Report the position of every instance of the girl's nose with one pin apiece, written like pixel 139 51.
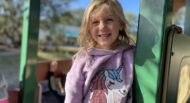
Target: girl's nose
pixel 102 25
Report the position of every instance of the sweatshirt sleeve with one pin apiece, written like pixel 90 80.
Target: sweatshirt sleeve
pixel 129 60
pixel 75 81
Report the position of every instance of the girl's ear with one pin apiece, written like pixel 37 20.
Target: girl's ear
pixel 121 27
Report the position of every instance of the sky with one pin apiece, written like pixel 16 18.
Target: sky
pixel 131 6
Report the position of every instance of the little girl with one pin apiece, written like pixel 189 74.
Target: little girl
pixel 102 70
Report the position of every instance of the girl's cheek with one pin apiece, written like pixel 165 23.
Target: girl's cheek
pixel 93 30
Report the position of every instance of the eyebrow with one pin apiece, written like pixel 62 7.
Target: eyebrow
pixel 110 15
pixel 105 16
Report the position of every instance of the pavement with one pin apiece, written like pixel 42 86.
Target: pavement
pixel 9 66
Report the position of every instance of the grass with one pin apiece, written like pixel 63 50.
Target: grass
pixel 13 60
pixel 52 55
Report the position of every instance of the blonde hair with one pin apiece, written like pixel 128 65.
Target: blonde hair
pixel 85 40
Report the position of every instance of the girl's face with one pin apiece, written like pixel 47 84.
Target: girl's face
pixel 104 27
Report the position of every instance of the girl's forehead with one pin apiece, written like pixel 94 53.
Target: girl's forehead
pixel 102 10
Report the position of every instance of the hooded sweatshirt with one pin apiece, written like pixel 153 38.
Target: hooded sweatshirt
pixel 101 76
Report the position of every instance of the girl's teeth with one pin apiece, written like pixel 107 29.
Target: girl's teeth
pixel 104 35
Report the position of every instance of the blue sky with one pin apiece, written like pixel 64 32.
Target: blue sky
pixel 128 5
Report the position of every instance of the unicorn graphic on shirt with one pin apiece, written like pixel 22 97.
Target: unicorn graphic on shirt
pixel 106 84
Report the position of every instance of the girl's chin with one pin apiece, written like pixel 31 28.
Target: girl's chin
pixel 107 47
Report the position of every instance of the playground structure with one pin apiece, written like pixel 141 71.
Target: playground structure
pixel 157 72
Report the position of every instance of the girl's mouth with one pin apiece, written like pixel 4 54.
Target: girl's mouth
pixel 104 35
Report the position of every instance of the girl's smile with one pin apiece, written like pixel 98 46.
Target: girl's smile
pixel 104 35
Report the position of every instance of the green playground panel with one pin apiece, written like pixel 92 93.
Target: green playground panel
pixel 29 50
pixel 149 56
pixel 187 20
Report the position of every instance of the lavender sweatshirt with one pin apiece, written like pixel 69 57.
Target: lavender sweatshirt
pixel 101 76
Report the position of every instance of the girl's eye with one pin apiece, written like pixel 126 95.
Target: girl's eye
pixel 109 20
pixel 95 22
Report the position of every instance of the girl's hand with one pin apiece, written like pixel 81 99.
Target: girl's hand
pixel 53 66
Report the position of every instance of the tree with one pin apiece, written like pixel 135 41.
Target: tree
pixel 11 13
pixel 133 22
pixel 58 12
pixel 52 12
pixel 11 20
